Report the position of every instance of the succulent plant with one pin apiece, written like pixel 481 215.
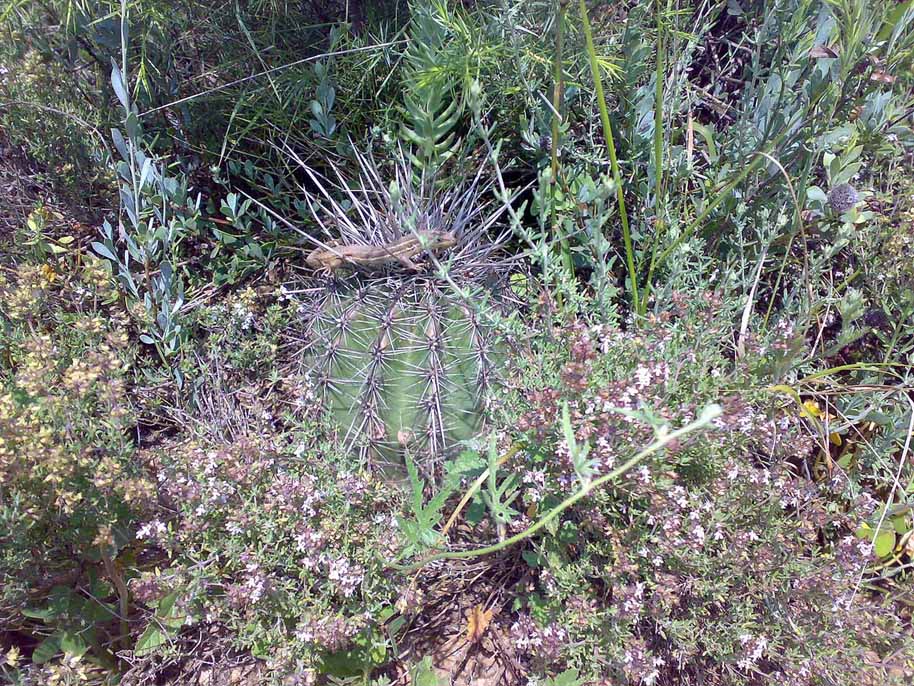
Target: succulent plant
pixel 400 363
pixel 405 359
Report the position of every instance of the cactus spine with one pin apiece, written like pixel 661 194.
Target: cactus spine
pixel 400 364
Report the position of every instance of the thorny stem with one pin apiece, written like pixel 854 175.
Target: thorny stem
pixel 710 413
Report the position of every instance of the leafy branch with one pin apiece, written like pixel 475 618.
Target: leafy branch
pixel 662 438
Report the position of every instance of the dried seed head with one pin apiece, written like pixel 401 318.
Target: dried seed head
pixel 843 198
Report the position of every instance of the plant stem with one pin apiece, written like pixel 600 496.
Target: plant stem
pixel 719 198
pixel 706 417
pixel 557 98
pixel 476 485
pixel 611 147
pixel 123 597
pixel 658 155
pixel 557 87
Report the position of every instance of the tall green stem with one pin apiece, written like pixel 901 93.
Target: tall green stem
pixel 611 147
pixel 557 93
pixel 659 198
pixel 658 111
pixel 557 87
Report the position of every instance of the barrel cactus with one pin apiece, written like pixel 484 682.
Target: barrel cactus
pixel 404 359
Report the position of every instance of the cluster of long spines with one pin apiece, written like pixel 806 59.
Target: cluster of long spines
pixel 426 352
pixel 435 375
pixel 482 347
pixel 378 210
pixel 399 364
pixel 371 402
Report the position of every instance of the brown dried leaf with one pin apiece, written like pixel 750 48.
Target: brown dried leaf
pixel 477 622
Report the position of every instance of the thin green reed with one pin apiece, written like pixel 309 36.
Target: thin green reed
pixel 659 194
pixel 611 147
pixel 557 99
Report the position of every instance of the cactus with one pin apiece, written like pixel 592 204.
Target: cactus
pixel 405 360
pixel 400 363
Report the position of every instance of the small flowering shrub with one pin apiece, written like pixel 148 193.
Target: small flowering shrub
pixel 720 562
pixel 274 547
pixel 70 482
pixel 46 115
pixel 696 266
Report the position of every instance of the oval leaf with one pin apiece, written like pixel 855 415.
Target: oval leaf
pixel 884 543
pixel 46 650
pixel 103 250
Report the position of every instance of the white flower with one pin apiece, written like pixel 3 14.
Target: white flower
pixel 152 529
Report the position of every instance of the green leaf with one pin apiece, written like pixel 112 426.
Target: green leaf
pixel 816 194
pixel 102 250
pixel 73 643
pixel 707 133
pixel 539 608
pixel 895 15
pixel 152 638
pixel 582 467
pixel 533 559
pixel 567 678
pixel 168 616
pixel 476 511
pixel 168 612
pixel 367 652
pixel 132 125
pixel 423 674
pixel 884 543
pixel 120 89
pixel 99 612
pixel 45 614
pixel 568 533
pixel 61 600
pixel 46 650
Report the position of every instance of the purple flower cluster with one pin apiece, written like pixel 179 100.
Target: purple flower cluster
pixel 723 557
pixel 329 633
pixel 254 585
pixel 545 643
pixel 344 574
pixel 639 664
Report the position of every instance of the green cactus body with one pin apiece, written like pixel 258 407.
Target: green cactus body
pixel 404 359
pixel 400 364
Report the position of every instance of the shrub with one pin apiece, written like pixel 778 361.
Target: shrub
pixel 720 560
pixel 71 484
